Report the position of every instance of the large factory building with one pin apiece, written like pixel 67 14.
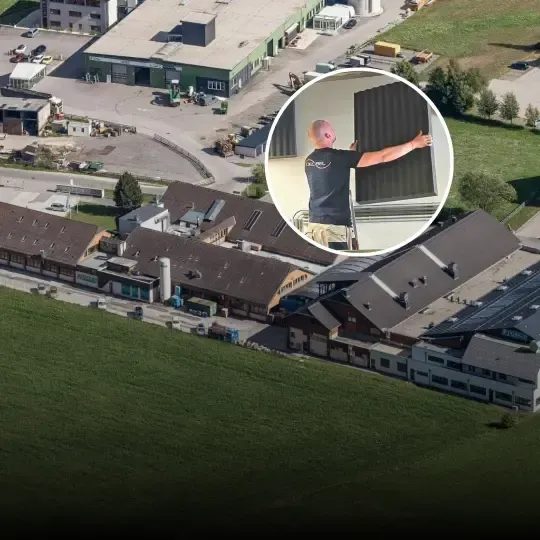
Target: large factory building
pixel 214 46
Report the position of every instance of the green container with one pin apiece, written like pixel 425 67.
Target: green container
pixel 204 306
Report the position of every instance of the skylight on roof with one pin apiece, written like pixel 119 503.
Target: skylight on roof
pixel 255 215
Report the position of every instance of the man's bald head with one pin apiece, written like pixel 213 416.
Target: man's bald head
pixel 321 134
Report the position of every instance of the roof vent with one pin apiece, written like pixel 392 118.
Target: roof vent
pixel 517 318
pixel 453 319
pixel 534 307
pixel 526 272
pixel 195 274
pixel 502 287
pixel 454 219
pixel 453 270
pixel 404 300
pixel 367 305
pixel 413 283
pixel 535 346
pixel 477 304
pixel 431 324
pixel 423 279
pixel 440 223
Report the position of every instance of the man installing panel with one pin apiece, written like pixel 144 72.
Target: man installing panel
pixel 328 173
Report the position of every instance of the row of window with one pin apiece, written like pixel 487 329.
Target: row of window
pixel 216 85
pixel 401 366
pixel 135 292
pixel 88 3
pixel 58 24
pixel 77 14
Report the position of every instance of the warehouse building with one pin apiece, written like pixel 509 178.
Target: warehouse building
pixel 442 313
pixel 213 46
pixel 18 116
pixel 43 243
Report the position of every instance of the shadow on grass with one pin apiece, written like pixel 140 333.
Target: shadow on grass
pixel 525 48
pixel 489 122
pixel 527 190
pixel 18 11
pixel 496 425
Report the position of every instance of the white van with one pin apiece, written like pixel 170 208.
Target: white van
pixel 33 32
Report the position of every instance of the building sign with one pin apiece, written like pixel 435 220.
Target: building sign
pixel 125 62
pixel 86 279
pixel 515 334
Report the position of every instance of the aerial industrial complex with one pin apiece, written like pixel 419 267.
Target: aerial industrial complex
pixel 198 43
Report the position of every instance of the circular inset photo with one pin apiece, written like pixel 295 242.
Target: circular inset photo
pixel 359 162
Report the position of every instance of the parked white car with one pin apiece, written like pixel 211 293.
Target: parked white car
pixel 37 59
pixel 21 49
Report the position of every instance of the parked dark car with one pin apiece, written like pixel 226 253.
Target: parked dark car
pixel 39 50
pixel 521 66
pixel 351 23
pixel 17 58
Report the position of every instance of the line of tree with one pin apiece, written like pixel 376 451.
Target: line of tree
pixel 507 107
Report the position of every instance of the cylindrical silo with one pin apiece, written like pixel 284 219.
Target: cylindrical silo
pixel 164 278
pixel 366 8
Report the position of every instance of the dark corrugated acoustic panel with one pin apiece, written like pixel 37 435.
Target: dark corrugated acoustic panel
pixel 387 116
pixel 283 143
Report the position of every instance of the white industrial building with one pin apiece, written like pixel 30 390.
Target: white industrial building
pixel 331 18
pixel 366 8
pixel 26 74
pixel 149 216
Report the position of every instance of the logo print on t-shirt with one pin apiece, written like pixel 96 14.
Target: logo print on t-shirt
pixel 317 164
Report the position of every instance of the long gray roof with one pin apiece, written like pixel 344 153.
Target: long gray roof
pixel 485 352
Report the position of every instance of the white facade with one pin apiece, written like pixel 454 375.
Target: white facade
pixel 366 8
pixel 331 18
pixel 84 16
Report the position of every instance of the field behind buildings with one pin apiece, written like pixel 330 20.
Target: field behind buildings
pixel 108 421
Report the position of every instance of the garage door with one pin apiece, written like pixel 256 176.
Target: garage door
pixel 119 74
pixel 387 116
pixel 171 75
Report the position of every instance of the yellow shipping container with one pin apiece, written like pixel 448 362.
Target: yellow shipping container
pixel 387 49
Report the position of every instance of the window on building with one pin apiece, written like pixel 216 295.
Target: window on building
pixel 145 294
pixel 526 381
pixel 435 359
pixel 67 271
pixel 422 374
pixel 92 3
pixel 126 290
pixel 34 263
pixel 538 401
pixel 502 376
pixel 94 29
pixel 453 365
pixel 216 85
pixel 351 319
pixel 95 16
pixel 503 397
pixel 18 259
pixel 385 363
pixel 486 372
pixel 472 369
pixel 401 367
pixel 134 291
pixel 4 254
pixel 49 267
pixel 77 14
pixel 523 401
pixel 458 385
pixel 443 381
pixel 477 390
pixel 293 335
pixel 55 11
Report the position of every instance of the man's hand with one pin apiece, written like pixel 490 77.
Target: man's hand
pixel 421 141
pixel 354 145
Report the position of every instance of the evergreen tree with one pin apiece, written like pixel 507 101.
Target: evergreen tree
pixel 127 193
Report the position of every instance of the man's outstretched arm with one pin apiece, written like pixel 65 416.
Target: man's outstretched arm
pixel 392 153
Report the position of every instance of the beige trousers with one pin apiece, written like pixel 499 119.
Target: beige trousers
pixel 323 234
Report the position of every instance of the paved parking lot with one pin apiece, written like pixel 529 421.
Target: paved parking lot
pixel 525 86
pixel 67 46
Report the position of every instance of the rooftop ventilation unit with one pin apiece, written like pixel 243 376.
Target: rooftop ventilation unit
pixel 502 287
pixel 452 270
pixel 534 307
pixel 431 324
pixel 454 219
pixel 535 346
pixel 423 279
pixel 517 318
pixel 413 283
pixel 404 300
pixel 367 305
pixel 453 319
pixel 477 304
pixel 526 272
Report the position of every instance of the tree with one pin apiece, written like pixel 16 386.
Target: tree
pixel 487 103
pixel 509 107
pixel 127 192
pixel 485 191
pixel 451 89
pixel 405 69
pixel 476 80
pixel 532 115
pixel 259 175
pixel 509 420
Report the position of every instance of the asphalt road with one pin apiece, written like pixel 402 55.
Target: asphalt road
pixel 42 181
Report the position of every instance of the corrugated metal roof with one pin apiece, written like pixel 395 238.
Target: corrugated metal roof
pixel 387 116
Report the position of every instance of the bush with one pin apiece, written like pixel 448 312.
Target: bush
pixel 509 420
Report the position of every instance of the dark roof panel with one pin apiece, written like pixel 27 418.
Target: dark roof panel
pixel 30 232
pixel 323 316
pixel 226 271
pixel 256 138
pixel 180 198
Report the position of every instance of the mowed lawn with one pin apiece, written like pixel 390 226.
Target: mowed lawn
pixel 111 421
pixel 13 11
pixel 488 34
pixel 511 153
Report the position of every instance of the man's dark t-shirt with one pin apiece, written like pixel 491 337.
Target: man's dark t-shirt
pixel 328 172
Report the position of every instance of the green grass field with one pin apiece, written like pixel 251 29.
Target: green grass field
pixel 488 34
pixel 510 153
pixel 108 420
pixel 13 11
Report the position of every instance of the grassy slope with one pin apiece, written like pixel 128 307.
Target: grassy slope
pixel 488 34
pixel 513 154
pixel 103 416
pixel 13 11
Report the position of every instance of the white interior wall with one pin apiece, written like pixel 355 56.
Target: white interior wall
pixel 287 180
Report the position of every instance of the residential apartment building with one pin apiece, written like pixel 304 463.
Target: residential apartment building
pixel 84 16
